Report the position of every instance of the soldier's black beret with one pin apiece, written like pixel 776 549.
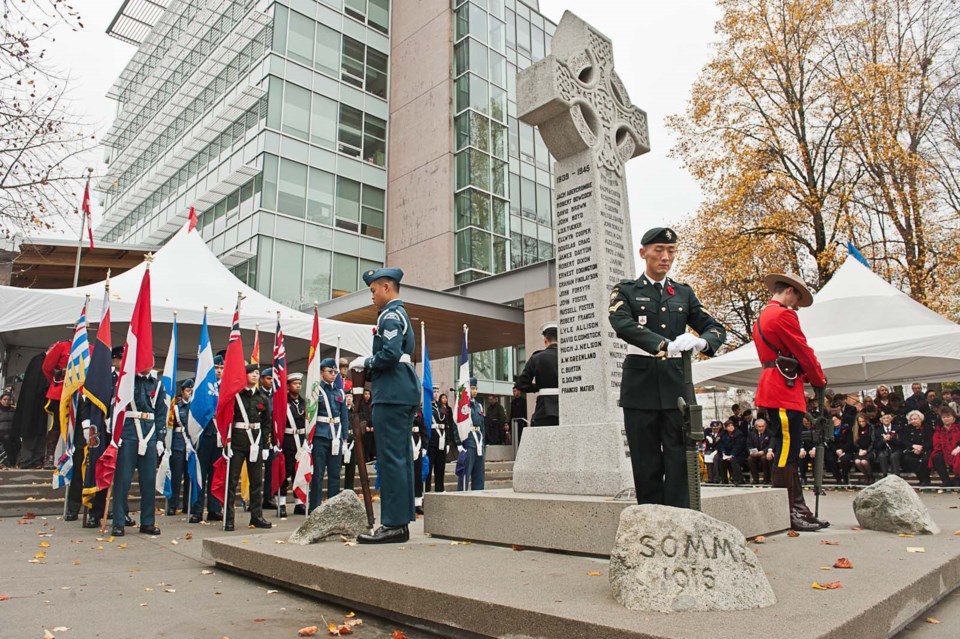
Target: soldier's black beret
pixel 252 368
pixel 659 235
pixel 117 352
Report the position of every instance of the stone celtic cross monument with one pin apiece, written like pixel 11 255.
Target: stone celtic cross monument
pixel 585 117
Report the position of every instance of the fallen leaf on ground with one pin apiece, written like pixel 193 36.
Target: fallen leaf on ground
pixel 31 499
pixel 76 562
pixel 906 535
pixel 188 536
pixel 826 567
pixel 332 630
pixel 270 592
pixel 44 544
pixel 48 635
pixel 344 630
pixel 856 528
pixel 831 585
pixel 350 615
pixel 61 629
pixel 242 541
pixel 456 543
pixel 957 533
pixel 29 515
pixel 35 561
pixel 122 546
pixel 143 605
pixel 932 620
pixel 169 589
pixel 829 543
pixel 279 541
pixel 792 533
pixel 843 562
pixel 518 548
pixel 24 523
pixel 40 555
pixel 259 620
pixel 99 548
pixel 759 539
pixel 148 589
pixel 206 572
pixel 594 573
pixel 309 631
pixel 916 549
pixel 354 622
pixel 4 597
pixel 174 542
pixel 398 635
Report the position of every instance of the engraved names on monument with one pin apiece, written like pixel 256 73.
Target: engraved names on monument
pixel 585 117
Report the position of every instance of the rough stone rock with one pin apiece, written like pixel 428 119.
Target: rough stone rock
pixel 340 515
pixel 672 559
pixel 891 505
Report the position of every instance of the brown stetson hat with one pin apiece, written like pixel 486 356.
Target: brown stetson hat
pixel 806 297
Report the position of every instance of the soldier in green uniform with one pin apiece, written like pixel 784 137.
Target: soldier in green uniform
pixel 252 428
pixel 651 314
pixel 396 399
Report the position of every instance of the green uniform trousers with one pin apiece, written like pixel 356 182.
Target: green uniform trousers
pixel 392 424
pixel 657 455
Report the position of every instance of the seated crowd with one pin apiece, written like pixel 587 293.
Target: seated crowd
pixel 872 438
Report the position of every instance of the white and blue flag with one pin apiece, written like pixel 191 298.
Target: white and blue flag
pixel 168 381
pixel 203 407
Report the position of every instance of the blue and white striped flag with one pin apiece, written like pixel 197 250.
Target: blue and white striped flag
pixel 73 380
pixel 203 406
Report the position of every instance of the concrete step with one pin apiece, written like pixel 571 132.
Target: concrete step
pixel 47 507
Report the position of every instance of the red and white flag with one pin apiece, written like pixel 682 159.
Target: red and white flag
pixel 462 416
pixel 304 466
pixel 233 381
pixel 87 212
pixel 279 405
pixel 137 357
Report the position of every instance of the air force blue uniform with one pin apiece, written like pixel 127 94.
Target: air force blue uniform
pixel 395 393
pixel 324 458
pixel 148 400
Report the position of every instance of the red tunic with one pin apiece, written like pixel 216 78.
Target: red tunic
pixel 944 441
pixel 781 327
pixel 54 367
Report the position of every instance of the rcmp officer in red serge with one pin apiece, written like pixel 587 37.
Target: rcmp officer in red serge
pixel 396 399
pixel 651 315
pixel 777 332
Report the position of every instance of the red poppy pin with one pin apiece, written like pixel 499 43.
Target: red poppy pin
pixel 153 393
pixel 669 290
pixel 259 406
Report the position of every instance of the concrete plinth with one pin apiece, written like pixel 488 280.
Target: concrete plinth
pixel 578 523
pixel 479 590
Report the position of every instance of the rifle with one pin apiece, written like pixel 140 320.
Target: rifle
pixel 692 414
pixel 823 432
pixel 358 379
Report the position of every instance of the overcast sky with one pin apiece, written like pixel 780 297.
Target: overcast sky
pixel 659 47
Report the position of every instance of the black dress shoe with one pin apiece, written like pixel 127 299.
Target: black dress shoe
pixel 117 531
pixel 171 512
pixel 386 535
pixel 70 517
pixel 269 505
pixel 149 530
pixel 195 518
pixel 214 516
pixel 260 522
pixel 129 521
pixel 299 510
pixel 418 510
pixel 91 523
pixel 283 512
pixel 228 527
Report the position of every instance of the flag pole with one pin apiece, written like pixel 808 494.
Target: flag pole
pixel 83 227
pixel 306 506
pixel 226 445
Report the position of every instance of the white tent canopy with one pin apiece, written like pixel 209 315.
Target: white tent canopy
pixel 185 277
pixel 864 331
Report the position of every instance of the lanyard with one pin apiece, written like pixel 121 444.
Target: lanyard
pixel 254 443
pixel 142 440
pixel 334 432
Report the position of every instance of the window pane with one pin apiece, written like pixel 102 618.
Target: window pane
pixel 327 50
pixel 348 199
pixel 497 39
pixel 269 197
pixel 480 250
pixel 479 169
pixel 462 130
pixel 543 205
pixel 463 250
pixel 378 15
pixel 296 111
pixel 529 250
pixel 480 210
pixel 323 126
pixel 372 211
pixel 526 142
pixel 351 130
pixel 498 215
pixel 264 264
pixel 479 131
pixel 463 169
pixel 292 192
pixel 274 103
pixel 351 64
pixel 377 73
pixel 461 61
pixel 478 58
pixel 499 254
pixel 498 140
pixel 498 69
pixel 514 194
pixel 320 197
pixel 300 42
pixel 498 104
pixel 463 93
pixel 528 199
pixel 478 23
pixel 355 8
pixel 462 205
pixel 479 94
pixel 537 43
pixel 288 273
pixel 461 22
pixel 279 28
pixel 523 35
pixel 498 177
pixel 316 281
pixel 374 140
pixel 344 274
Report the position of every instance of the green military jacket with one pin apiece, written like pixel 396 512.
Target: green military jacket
pixel 647 319
pixel 259 410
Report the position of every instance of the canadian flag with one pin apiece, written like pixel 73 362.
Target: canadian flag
pixel 462 416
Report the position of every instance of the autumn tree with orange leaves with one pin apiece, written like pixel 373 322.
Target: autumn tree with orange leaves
pixel 819 122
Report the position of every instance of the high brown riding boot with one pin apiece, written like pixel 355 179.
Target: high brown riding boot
pixel 782 479
pixel 798 503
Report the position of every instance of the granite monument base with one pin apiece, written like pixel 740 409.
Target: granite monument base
pixel 588 459
pixel 581 524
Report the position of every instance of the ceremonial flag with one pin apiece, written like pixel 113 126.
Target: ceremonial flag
pixel 233 381
pixel 73 380
pixel 462 416
pixel 87 212
pixel 304 464
pixel 98 389
pixel 203 406
pixel 169 382
pixel 193 219
pixel 255 355
pixel 857 255
pixel 137 356
pixel 279 467
pixel 427 398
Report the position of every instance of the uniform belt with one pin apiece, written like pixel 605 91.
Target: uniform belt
pixel 772 364
pixel 142 416
pixel 548 391
pixel 298 431
pixel 246 425
pixel 178 429
pixel 328 420
pixel 636 350
pixel 406 359
pixel 415 430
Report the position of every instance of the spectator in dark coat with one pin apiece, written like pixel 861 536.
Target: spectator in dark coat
pixel 838 457
pixel 759 452
pixel 733 451
pixel 6 430
pixel 916 401
pixel 917 441
pixel 887 446
pixel 861 451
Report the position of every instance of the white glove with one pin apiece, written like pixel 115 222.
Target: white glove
pixel 461 449
pixel 265 454
pixel 358 363
pixel 159 449
pixel 277 449
pixel 687 342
